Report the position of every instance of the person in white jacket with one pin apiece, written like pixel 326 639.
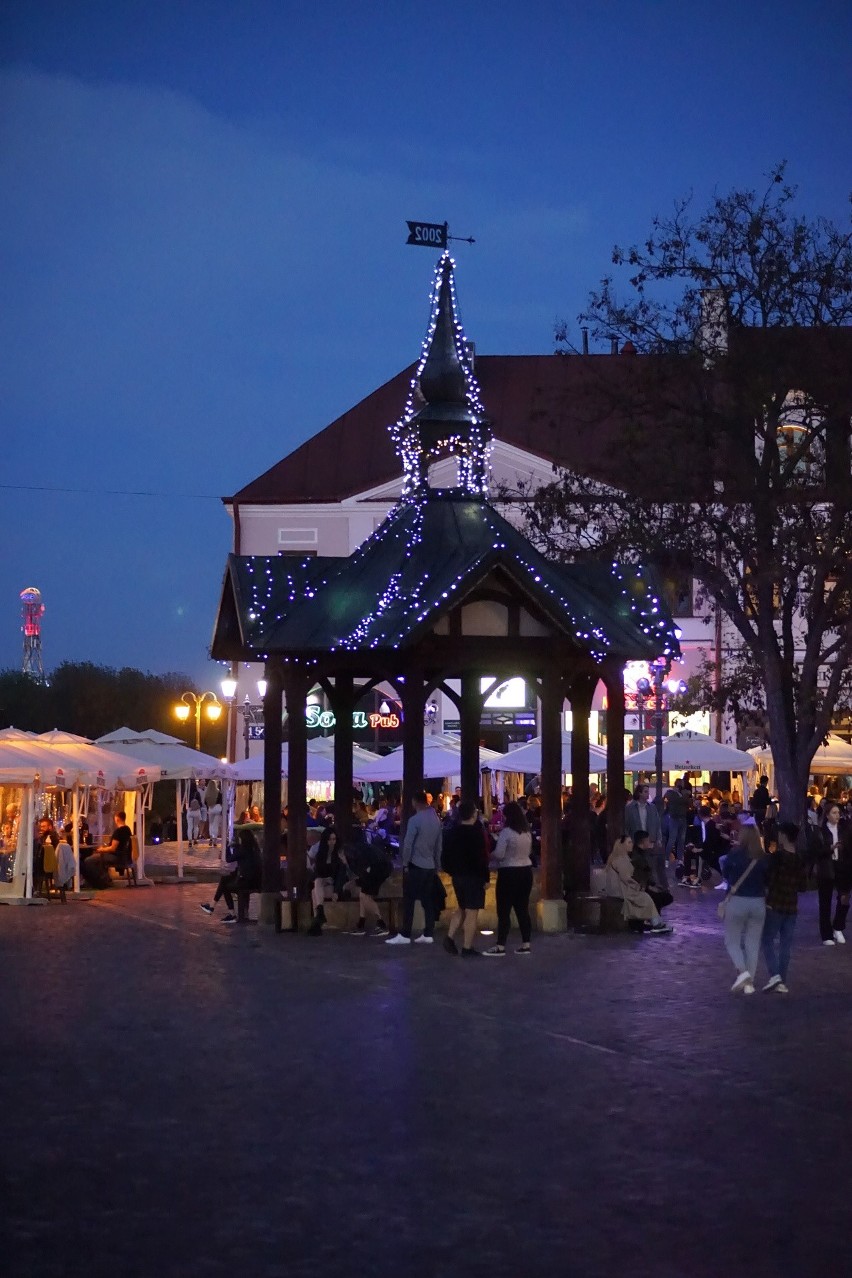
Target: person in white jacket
pixel 514 879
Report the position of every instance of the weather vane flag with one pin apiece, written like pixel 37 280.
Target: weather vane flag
pixel 433 235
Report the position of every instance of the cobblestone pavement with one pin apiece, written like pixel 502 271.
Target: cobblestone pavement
pixel 184 1098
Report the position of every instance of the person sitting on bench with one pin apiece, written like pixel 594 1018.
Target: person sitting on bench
pixel 118 853
pixel 621 883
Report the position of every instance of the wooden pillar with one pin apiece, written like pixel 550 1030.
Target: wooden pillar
pixel 614 681
pixel 342 702
pixel 551 882
pixel 295 692
pixel 413 704
pixel 581 693
pixel 272 737
pixel 470 717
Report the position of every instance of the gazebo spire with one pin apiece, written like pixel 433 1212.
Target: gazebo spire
pixel 444 415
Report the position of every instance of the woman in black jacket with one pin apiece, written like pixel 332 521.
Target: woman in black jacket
pixel 834 875
pixel 327 865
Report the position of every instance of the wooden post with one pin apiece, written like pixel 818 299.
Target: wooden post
pixel 614 680
pixel 272 736
pixel 581 693
pixel 295 691
pixel 470 716
pixel 413 703
pixel 342 703
pixel 552 887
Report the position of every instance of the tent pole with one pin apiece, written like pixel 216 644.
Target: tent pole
pixel 179 807
pixel 75 836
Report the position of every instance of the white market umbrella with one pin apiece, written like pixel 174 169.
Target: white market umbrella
pixel 527 758
pixel 320 762
pixel 178 762
pixel 441 758
pixel 833 757
pixel 692 752
pixel 127 736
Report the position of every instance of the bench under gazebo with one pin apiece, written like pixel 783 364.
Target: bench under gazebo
pixel 444 589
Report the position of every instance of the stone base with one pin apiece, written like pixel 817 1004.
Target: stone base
pixel 552 916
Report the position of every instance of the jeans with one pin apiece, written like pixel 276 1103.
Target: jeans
pixel 223 889
pixel 744 917
pixel 780 928
pixel 827 925
pixel 418 885
pixel 514 885
pixel 676 836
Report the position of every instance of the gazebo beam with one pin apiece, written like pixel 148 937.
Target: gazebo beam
pixel 272 740
pixel 295 692
pixel 615 798
pixel 413 704
pixel 470 714
pixel 581 693
pixel 553 910
pixel 343 700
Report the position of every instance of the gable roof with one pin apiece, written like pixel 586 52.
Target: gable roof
pixel 415 568
pixel 567 409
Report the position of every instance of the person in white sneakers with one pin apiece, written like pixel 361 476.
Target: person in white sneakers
pixel 786 877
pixel 744 868
pixel 421 861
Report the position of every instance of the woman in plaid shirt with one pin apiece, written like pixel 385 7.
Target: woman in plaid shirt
pixel 786 877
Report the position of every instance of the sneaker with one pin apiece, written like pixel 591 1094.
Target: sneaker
pixel 208 909
pixel 781 988
pixel 450 945
pixel 660 929
pixel 471 953
pixel 229 918
pixel 829 942
pixel 524 948
pixel 748 988
pixel 399 939
pixel 360 930
pixel 771 983
pixel 743 979
pixel 381 929
pixel 425 940
pixel 496 951
pixel 839 938
pixel 316 927
pixel 721 887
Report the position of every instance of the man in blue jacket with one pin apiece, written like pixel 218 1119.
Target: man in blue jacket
pixel 421 861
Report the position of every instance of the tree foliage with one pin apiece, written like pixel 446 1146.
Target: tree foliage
pixel 736 432
pixel 92 700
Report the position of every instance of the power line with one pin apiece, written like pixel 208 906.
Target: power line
pixel 108 492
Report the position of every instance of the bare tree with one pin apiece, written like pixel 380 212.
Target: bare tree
pixel 731 455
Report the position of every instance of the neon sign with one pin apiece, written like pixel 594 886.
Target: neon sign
pixel 316 717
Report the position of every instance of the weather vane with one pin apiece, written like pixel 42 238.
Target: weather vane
pixel 434 235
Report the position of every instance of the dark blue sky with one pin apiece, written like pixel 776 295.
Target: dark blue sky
pixel 202 225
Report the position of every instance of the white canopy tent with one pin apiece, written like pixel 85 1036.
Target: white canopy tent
pixel 694 752
pixel 527 758
pixel 72 763
pixel 320 762
pixel 441 758
pixel 833 758
pixel 177 762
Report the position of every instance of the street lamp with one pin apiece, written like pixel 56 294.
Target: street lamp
pixel 191 703
pixel 251 713
pixel 662 691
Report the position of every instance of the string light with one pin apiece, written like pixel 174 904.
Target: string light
pixel 290 604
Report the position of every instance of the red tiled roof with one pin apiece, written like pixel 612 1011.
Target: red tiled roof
pixel 566 409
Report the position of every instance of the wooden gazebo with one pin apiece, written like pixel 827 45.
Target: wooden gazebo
pixel 445 588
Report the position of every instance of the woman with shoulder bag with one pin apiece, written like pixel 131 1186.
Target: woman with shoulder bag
pixel 744 907
pixel 834 874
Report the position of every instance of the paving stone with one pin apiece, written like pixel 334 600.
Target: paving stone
pixel 185 1098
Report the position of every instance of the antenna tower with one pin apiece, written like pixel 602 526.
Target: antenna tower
pixel 32 610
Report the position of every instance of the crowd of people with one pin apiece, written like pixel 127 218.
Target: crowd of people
pixel 700 836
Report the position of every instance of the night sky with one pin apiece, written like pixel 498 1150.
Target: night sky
pixel 202 227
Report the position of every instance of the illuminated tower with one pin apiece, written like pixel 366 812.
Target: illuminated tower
pixel 31 613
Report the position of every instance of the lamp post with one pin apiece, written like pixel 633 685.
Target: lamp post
pixel 251 713
pixel 191 703
pixel 662 690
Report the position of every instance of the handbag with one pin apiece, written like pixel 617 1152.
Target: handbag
pixel 723 905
